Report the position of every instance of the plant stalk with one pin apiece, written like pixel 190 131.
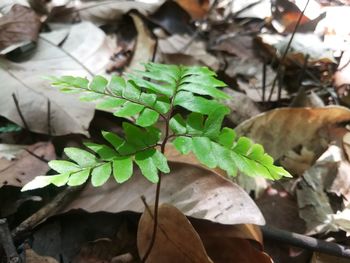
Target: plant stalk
pixel 156 202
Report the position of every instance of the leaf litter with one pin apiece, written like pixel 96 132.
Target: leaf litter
pixel 238 40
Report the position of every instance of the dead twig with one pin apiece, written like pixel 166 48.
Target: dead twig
pixel 7 243
pixel 48 210
pixel 306 242
pixel 279 68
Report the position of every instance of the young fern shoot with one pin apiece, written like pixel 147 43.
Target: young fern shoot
pixel 146 96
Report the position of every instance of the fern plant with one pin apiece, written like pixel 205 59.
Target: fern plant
pixel 145 97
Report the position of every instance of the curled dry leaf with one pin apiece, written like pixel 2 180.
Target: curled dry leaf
pixel 197 192
pixel 145 44
pixel 79 50
pixel 176 239
pixel 32 257
pixel 20 26
pixel 16 172
pixel 312 194
pixel 291 127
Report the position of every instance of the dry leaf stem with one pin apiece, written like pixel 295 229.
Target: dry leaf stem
pixel 280 65
pixel 49 209
pixel 156 202
pixel 7 242
pixel 306 242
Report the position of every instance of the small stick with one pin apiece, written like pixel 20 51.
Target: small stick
pixel 301 88
pixel 280 84
pixel 49 209
pixel 25 124
pixel 286 50
pixel 49 118
pixel 306 242
pixel 263 81
pixel 7 242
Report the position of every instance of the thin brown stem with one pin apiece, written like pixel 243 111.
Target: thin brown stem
pixel 156 202
pixel 279 68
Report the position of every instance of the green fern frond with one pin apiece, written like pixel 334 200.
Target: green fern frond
pixel 146 96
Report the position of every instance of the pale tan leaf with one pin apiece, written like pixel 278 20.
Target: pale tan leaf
pixel 176 239
pixel 145 44
pixel 32 257
pixel 82 51
pixel 195 191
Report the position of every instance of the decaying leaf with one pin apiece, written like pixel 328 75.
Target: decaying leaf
pixel 237 243
pixel 182 49
pixel 104 11
pixel 302 45
pixel 197 192
pixel 289 127
pixel 17 172
pixel 324 258
pixel 249 74
pixel 81 50
pixel 242 107
pixel 32 257
pixel 18 27
pixel 176 241
pixel 314 204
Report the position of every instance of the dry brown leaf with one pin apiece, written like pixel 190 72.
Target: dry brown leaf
pixel 289 127
pixel 215 230
pixel 297 163
pixel 71 51
pixel 198 9
pixel 99 251
pixel 20 26
pixel 197 192
pixel 176 239
pixel 191 51
pixel 32 257
pixel 145 44
pixel 26 166
pixel 242 107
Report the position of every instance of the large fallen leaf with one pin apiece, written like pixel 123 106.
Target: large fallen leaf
pixel 197 192
pixel 79 50
pixel 26 165
pixel 176 239
pixel 104 11
pixel 20 26
pixel 291 127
